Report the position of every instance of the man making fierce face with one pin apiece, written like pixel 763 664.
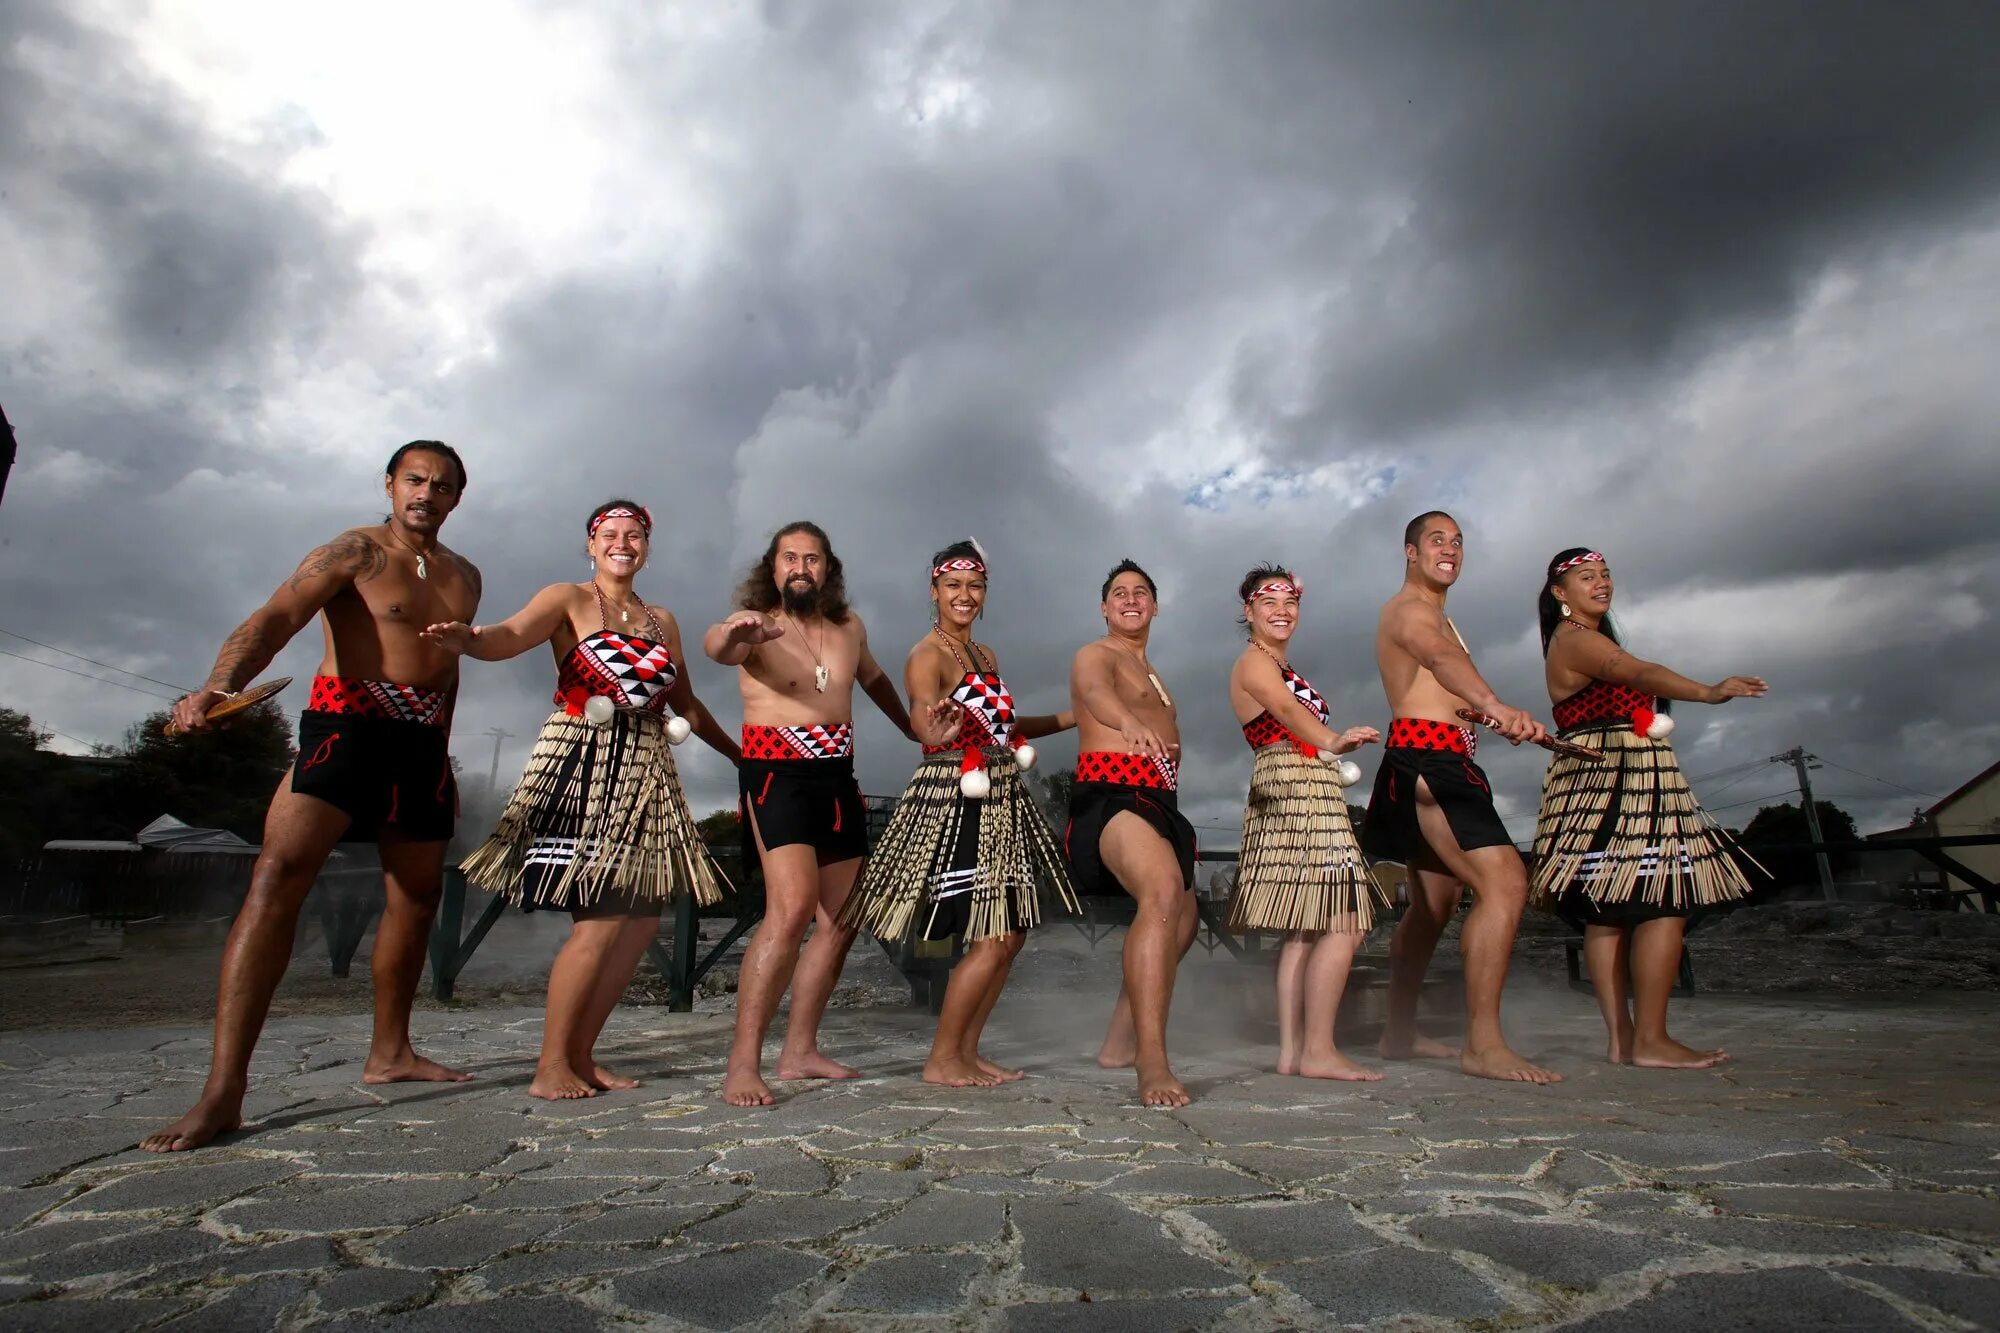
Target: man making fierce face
pixel 372 763
pixel 800 651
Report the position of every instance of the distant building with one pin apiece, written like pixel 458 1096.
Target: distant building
pixel 1973 808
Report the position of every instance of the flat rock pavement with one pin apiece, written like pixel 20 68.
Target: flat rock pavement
pixel 1841 1173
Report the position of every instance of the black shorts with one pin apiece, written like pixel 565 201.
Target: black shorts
pixel 1391 833
pixel 1092 806
pixel 813 801
pixel 392 778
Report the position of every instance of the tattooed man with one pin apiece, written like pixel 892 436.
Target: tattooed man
pixel 372 764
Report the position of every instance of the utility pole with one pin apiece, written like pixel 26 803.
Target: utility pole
pixel 1797 757
pixel 493 773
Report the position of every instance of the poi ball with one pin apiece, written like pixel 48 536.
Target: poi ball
pixel 974 784
pixel 599 710
pixel 1661 728
pixel 678 730
pixel 1350 772
pixel 1024 757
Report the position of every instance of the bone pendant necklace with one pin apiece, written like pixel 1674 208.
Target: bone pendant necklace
pixel 423 565
pixel 821 676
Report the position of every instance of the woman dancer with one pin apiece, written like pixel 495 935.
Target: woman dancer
pixel 598 824
pixel 1621 847
pixel 966 851
pixel 1301 870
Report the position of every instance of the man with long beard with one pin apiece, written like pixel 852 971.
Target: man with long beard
pixel 800 653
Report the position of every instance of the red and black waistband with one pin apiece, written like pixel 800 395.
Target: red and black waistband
pixel 1119 769
pixel 383 699
pixel 1423 733
pixel 833 740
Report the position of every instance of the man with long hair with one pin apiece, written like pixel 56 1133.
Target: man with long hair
pixel 1432 810
pixel 800 651
pixel 372 765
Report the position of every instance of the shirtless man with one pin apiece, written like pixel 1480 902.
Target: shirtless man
pixel 372 764
pixel 801 652
pixel 1126 831
pixel 1432 810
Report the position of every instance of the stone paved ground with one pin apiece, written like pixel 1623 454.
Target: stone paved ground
pixel 1841 1174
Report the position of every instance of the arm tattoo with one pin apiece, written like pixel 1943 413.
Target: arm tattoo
pixel 243 654
pixel 350 553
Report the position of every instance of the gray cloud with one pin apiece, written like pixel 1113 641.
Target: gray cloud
pixel 1200 286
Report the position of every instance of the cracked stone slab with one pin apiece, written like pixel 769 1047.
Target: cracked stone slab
pixel 370 1289
pixel 1973 1297
pixel 179 1187
pixel 323 1208
pixel 784 1219
pixel 720 1291
pixel 633 1224
pixel 940 1218
pixel 1186 1181
pixel 911 1284
pixel 1807 1297
pixel 135 1253
pixel 1969 1215
pixel 1389 1281
pixel 538 1314
pixel 1578 1257
pixel 1140 1316
pixel 1285 1232
pixel 465 1241
pixel 775 1168
pixel 1094 1244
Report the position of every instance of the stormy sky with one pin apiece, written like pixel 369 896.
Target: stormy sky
pixel 1715 287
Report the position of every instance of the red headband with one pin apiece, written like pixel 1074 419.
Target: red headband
pixel 1575 560
pixel 1281 588
pixel 963 562
pixel 643 514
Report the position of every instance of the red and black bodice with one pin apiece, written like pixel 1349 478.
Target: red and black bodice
pixel 628 669
pixel 988 708
pixel 1263 729
pixel 1602 703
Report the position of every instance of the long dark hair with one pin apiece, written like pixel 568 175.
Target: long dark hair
pixel 1254 580
pixel 1549 610
pixel 760 592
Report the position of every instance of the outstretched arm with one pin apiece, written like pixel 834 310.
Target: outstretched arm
pixel 527 628
pixel 1044 724
pixel 685 704
pixel 1263 682
pixel 1093 683
pixel 1419 629
pixel 730 642
pixel 1597 656
pixel 347 560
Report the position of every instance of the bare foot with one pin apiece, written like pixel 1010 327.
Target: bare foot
pixel 1288 1061
pixel 1673 1055
pixel 1000 1073
pixel 1618 1050
pixel 409 1067
pixel 813 1065
pixel 1337 1066
pixel 745 1088
pixel 209 1117
pixel 609 1081
pixel 1415 1045
pixel 1117 1053
pixel 1159 1087
pixel 560 1083
pixel 1504 1064
pixel 956 1072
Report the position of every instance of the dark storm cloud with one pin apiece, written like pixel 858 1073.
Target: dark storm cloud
pixel 983 269
pixel 201 264
pixel 1590 191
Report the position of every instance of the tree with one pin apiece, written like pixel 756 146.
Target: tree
pixel 1774 826
pixel 24 781
pixel 1052 793
pixel 218 779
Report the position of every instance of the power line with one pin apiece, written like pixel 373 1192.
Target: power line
pixel 178 691
pixel 102 680
pixel 1733 768
pixel 1738 780
pixel 1872 778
